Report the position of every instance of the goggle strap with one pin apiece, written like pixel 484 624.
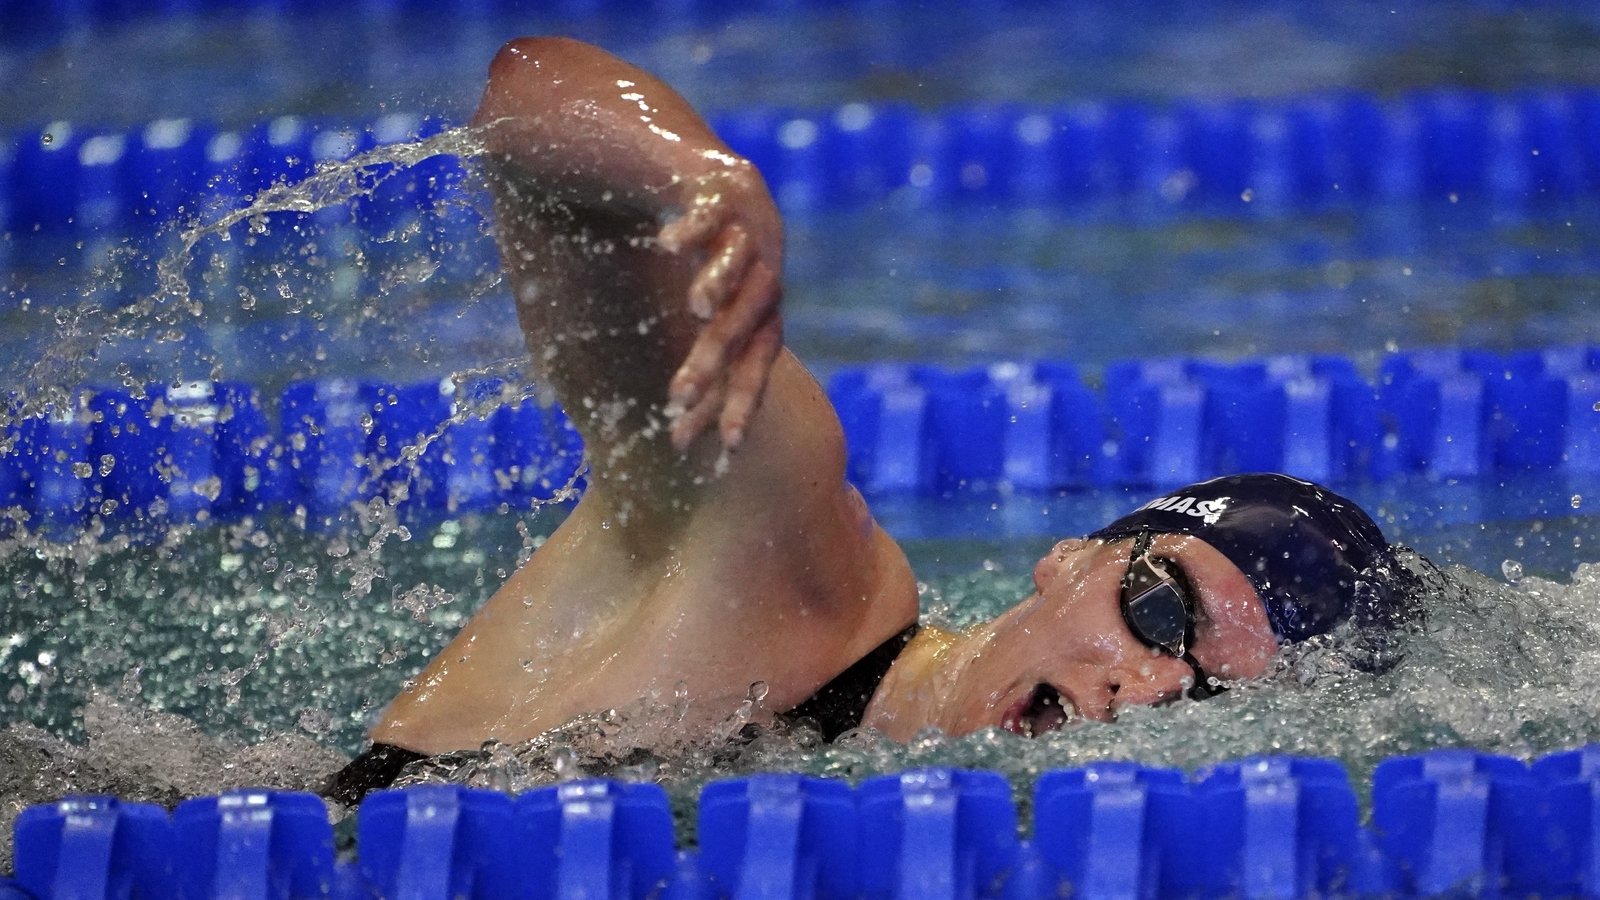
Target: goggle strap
pixel 1204 685
pixel 1141 546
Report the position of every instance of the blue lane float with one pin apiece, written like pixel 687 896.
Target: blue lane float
pixel 1443 413
pixel 137 462
pixel 1233 157
pixel 1238 156
pixel 1445 823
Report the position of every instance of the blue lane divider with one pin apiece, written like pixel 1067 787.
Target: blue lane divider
pixel 438 843
pixel 1274 827
pixel 1447 822
pixel 935 834
pixel 1239 155
pixel 1446 413
pixel 596 840
pixel 140 461
pixel 1459 820
pixel 779 837
pixel 52 470
pixel 1114 830
pixel 260 845
pixel 88 848
pixel 1221 157
pixel 1571 854
pixel 1285 828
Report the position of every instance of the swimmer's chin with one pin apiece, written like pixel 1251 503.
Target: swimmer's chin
pixel 1042 710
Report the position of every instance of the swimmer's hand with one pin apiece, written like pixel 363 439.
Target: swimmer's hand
pixel 730 217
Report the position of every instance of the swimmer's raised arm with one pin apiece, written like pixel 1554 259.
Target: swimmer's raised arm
pixel 575 135
pixel 644 260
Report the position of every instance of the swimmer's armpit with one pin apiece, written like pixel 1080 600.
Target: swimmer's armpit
pixel 580 125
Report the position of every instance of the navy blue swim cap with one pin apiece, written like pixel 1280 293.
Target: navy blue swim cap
pixel 1314 558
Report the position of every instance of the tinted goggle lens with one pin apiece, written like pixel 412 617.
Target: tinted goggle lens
pixel 1159 617
pixel 1159 611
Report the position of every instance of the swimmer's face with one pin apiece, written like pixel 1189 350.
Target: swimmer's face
pixel 1065 652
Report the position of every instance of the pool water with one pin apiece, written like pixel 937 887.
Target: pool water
pixel 258 650
pixel 255 653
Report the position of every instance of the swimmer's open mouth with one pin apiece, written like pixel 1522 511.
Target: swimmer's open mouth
pixel 1041 711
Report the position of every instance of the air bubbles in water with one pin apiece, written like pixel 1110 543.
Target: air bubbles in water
pixel 1512 570
pixel 131 686
pixel 564 760
pixel 315 721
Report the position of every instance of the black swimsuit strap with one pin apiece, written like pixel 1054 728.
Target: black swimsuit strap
pixel 839 705
pixel 373 770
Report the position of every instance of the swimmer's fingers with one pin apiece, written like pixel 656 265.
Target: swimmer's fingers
pixel 698 224
pixel 688 423
pixel 725 335
pixel 720 277
pixel 747 379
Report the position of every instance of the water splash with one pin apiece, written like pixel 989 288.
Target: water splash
pixel 99 320
pixel 143 755
pixel 1506 669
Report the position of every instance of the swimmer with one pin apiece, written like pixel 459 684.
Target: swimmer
pixel 718 543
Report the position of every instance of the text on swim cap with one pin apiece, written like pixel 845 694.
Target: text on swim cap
pixel 1208 510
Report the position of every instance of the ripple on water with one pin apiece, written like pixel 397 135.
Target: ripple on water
pixel 220 659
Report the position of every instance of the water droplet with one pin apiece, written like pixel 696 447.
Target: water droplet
pixel 315 721
pixel 758 691
pixel 47 139
pixel 565 762
pixel 1512 570
pixel 1577 500
pixel 210 488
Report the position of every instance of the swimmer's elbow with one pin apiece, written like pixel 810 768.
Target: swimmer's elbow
pixel 551 55
pixel 531 69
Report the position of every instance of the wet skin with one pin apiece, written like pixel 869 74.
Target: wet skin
pixel 1065 653
pixel 642 255
pixel 718 543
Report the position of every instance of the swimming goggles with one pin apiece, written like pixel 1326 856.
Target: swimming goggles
pixel 1158 605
